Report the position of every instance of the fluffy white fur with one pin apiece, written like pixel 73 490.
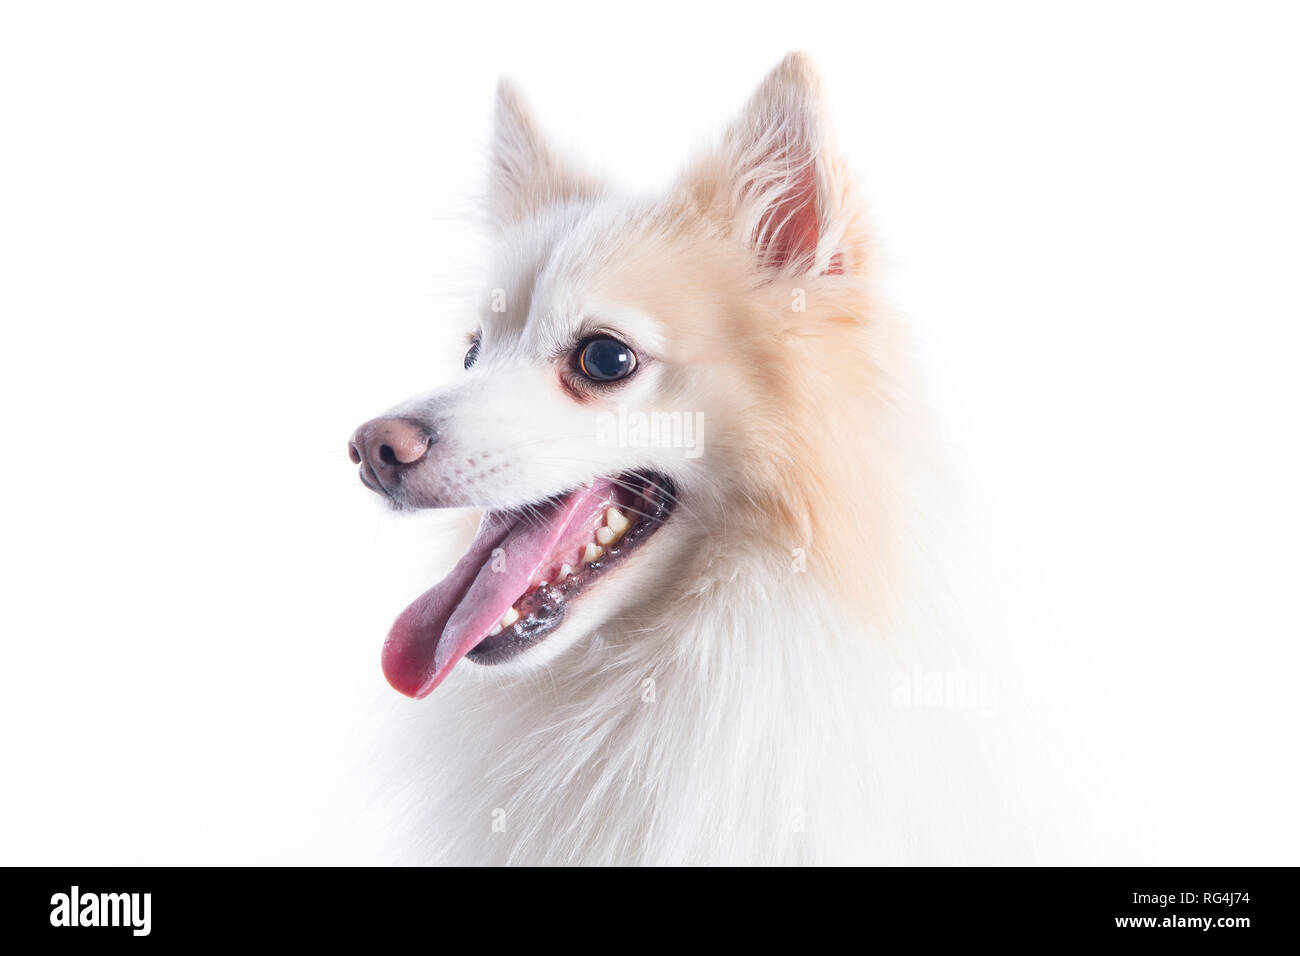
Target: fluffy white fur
pixel 746 689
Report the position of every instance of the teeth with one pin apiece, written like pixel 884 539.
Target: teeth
pixel 593 553
pixel 496 629
pixel 565 571
pixel 509 617
pixel 615 525
pixel 616 522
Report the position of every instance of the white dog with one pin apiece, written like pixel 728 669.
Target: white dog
pixel 692 612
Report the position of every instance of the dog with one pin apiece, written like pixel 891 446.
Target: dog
pixel 678 633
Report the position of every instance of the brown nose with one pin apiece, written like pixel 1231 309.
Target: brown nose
pixel 385 447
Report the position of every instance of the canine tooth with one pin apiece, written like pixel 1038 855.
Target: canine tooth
pixel 496 629
pixel 509 617
pixel 565 571
pixel 616 522
pixel 605 535
pixel 593 552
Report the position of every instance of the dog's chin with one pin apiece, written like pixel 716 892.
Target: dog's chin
pixel 536 579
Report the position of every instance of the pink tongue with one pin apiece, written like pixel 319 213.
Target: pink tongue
pixel 451 618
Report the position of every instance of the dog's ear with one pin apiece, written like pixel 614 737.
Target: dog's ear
pixel 776 183
pixel 526 175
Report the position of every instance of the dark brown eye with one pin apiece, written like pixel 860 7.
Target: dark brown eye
pixel 605 359
pixel 472 355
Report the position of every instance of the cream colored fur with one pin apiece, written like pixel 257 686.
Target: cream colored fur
pixel 735 693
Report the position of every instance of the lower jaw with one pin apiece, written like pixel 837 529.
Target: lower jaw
pixel 543 609
pixel 517 581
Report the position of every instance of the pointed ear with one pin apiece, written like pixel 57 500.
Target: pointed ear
pixel 776 183
pixel 526 175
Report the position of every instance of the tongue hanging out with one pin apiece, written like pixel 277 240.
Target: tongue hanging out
pixel 511 587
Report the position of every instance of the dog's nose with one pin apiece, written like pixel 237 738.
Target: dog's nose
pixel 384 447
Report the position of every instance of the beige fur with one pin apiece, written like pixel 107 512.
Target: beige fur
pixel 772 610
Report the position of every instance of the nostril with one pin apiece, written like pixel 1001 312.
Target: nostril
pixel 402 443
pixel 386 447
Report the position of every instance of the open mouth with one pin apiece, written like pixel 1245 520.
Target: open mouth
pixel 516 582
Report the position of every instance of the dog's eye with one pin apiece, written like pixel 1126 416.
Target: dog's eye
pixel 605 360
pixel 472 355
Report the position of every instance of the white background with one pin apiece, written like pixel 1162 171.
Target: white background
pixel 231 232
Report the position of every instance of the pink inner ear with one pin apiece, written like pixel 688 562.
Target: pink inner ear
pixel 798 227
pixel 795 219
